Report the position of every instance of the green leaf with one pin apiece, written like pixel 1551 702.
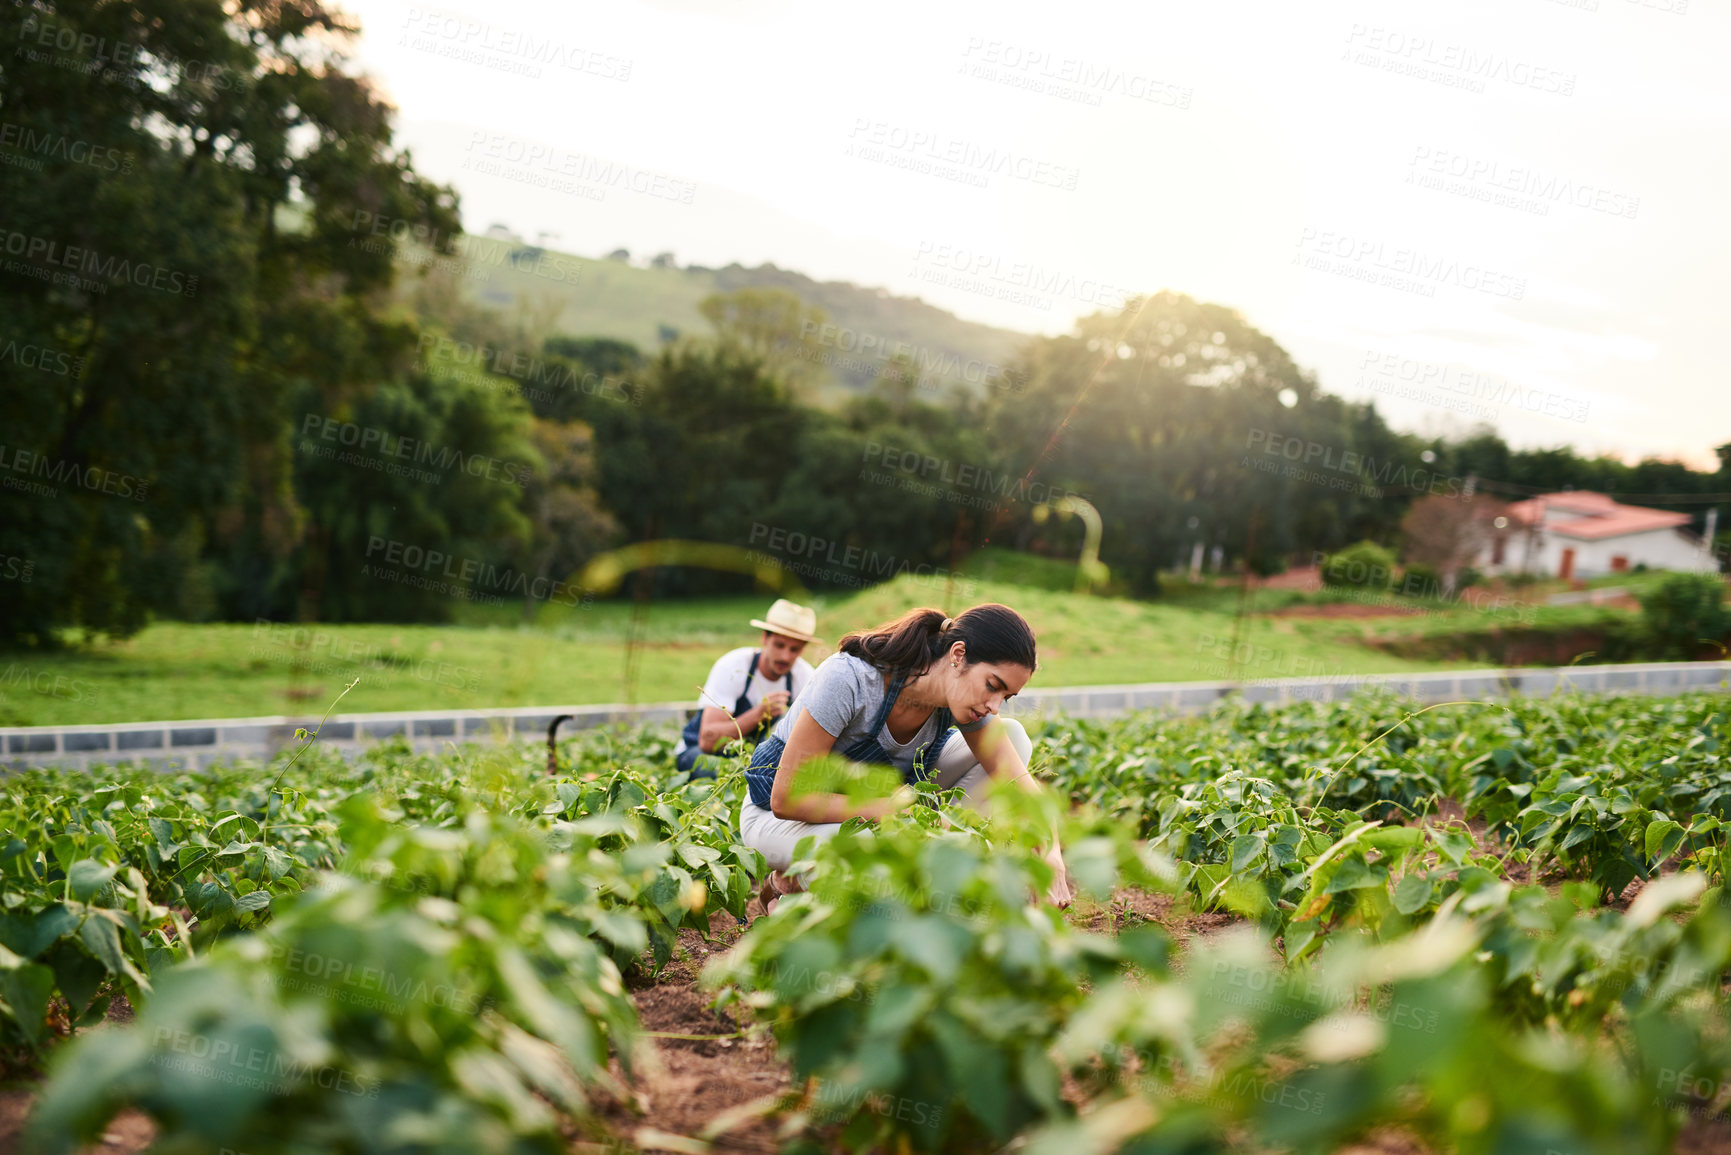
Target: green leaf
pixel 1353 873
pixel 933 942
pixel 620 929
pixel 1412 894
pixel 1245 849
pixel 103 939
pixel 696 855
pixel 29 935
pixel 76 974
pixel 1663 838
pixel 87 876
pixel 980 1072
pixel 277 863
pixel 27 990
pixel 164 833
pixel 1394 839
pixel 663 895
pixel 1297 937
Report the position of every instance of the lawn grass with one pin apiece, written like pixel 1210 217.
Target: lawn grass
pixel 568 656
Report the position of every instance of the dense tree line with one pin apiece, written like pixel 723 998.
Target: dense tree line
pixel 214 407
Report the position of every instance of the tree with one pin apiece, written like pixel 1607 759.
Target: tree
pixel 1447 533
pixel 405 524
pixel 183 286
pixel 1164 412
pixel 772 325
pixel 567 524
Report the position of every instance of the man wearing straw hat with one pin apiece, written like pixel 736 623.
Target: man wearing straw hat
pixel 749 688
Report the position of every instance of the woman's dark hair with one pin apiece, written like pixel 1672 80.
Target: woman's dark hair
pixel 911 643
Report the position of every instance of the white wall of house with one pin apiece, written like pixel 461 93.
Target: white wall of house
pixel 1656 548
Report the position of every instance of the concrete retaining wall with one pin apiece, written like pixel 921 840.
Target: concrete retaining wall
pixel 195 745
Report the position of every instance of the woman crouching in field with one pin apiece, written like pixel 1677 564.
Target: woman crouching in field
pixel 898 695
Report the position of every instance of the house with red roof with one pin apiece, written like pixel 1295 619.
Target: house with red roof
pixel 1580 534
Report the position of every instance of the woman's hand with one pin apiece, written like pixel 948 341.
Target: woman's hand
pixel 1059 894
pixel 884 807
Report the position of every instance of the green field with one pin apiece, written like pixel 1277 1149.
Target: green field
pixel 1486 929
pixel 578 656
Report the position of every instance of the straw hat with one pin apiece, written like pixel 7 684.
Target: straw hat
pixel 789 620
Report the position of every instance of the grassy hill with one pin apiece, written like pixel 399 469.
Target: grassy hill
pixel 587 297
pixel 175 670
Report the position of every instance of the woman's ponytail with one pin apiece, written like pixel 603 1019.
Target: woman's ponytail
pixel 911 643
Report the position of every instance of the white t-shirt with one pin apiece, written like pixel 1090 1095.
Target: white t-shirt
pixel 727 676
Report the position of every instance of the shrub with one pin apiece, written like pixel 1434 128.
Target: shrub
pixel 1365 565
pixel 1420 581
pixel 1683 610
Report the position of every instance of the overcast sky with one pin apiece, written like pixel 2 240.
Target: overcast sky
pixel 1510 210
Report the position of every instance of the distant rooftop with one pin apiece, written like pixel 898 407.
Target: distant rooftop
pixel 1597 515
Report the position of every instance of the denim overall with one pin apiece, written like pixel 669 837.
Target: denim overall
pixel 692 757
pixel 760 775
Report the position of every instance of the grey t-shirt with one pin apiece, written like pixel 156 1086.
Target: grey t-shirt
pixel 844 696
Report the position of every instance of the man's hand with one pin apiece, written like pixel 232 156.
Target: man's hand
pixel 774 704
pixel 1059 895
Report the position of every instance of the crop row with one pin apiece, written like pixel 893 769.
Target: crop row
pixel 421 952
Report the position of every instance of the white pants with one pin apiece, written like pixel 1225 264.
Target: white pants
pixel 776 837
